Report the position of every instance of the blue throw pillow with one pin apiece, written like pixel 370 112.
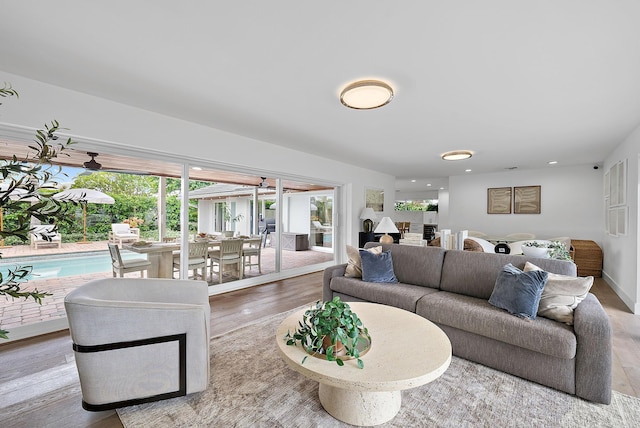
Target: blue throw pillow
pixel 518 292
pixel 377 267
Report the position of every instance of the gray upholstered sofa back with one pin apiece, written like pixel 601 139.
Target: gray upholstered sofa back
pixel 415 265
pixel 474 273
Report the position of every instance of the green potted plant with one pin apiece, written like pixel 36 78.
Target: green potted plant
pixel 554 250
pixel 558 250
pixel 229 219
pixel 331 329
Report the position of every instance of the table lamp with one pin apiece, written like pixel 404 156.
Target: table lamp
pixel 386 226
pixel 368 216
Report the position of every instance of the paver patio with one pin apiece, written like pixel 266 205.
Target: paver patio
pixel 14 313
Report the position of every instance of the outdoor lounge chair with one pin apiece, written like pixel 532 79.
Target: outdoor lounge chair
pixel 123 232
pixel 39 232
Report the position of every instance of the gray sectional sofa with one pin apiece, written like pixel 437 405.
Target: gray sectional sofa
pixel 452 288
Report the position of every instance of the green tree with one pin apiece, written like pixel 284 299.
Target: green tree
pixel 118 184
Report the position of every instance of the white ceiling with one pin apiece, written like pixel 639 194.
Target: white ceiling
pixel 519 83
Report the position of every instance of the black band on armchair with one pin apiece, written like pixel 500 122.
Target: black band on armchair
pixel 182 358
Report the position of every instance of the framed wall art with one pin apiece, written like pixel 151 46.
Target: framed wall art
pixel 526 200
pixel 499 200
pixel 374 198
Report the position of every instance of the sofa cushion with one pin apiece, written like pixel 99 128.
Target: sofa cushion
pixel 478 316
pixel 474 274
pixel 518 292
pixel 377 267
pixel 561 295
pixel 354 265
pixel 400 295
pixel 415 265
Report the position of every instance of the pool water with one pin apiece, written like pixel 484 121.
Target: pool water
pixel 58 266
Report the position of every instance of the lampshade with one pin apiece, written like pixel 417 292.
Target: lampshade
pixel 386 225
pixel 366 94
pixel 367 214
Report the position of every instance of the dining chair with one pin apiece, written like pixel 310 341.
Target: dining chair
pixel 197 259
pixel 121 267
pixel 476 234
pixel 229 253
pixel 252 248
pixel 521 236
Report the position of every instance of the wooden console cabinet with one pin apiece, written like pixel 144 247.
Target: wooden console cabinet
pixel 587 257
pixel 364 237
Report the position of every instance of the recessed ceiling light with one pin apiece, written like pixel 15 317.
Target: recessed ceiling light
pixel 552 162
pixel 457 155
pixel 467 170
pixel 413 181
pixel 196 168
pixel 428 184
pixel 442 188
pixel 366 94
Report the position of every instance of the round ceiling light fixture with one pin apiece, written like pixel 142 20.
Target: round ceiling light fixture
pixel 457 155
pixel 366 94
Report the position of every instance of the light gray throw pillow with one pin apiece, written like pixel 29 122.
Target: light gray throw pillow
pixel 354 265
pixel 561 295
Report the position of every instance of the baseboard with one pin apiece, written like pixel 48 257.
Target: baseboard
pixel 36 329
pixel 628 301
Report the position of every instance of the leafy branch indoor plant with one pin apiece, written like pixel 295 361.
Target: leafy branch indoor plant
pixel 26 189
pixel 332 329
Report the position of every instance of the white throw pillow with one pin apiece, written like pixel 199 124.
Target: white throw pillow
pixel 561 295
pixel 354 265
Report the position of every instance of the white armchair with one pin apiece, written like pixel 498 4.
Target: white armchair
pixel 123 232
pixel 139 340
pixel 39 232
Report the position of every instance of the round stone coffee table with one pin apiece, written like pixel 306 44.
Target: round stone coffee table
pixel 406 351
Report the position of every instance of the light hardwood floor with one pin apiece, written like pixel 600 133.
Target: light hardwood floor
pixel 33 361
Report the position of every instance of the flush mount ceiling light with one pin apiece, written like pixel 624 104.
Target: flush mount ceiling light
pixel 457 155
pixel 366 94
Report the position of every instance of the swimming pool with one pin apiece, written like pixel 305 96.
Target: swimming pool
pixel 58 266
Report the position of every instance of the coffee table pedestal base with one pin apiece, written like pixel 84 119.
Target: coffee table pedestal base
pixel 360 407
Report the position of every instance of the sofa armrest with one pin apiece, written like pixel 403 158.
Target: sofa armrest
pixel 594 352
pixel 330 272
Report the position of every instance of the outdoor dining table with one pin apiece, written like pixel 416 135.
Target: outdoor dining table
pixel 160 254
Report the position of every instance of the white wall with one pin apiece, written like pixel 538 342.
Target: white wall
pixel 621 252
pixel 116 127
pixel 571 203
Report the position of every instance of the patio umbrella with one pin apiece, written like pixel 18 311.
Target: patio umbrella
pixel 84 197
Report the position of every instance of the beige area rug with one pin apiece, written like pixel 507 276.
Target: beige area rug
pixel 251 386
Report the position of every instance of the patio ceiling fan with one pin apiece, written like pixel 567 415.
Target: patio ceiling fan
pixel 263 184
pixel 93 165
